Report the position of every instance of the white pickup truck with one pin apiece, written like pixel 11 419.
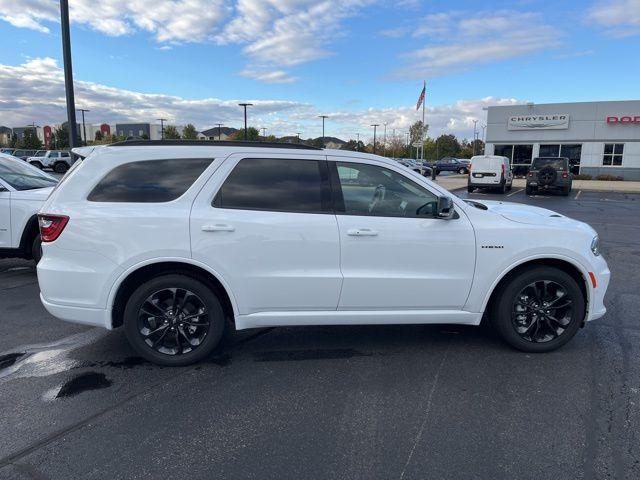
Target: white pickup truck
pixel 23 190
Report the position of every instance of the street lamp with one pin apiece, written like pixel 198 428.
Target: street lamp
pixel 245 105
pixel 384 143
pixel 84 130
pixel 161 120
pixel 68 73
pixel 219 131
pixel 298 134
pixel 375 127
pixel 323 118
pixel 475 122
pixel 264 133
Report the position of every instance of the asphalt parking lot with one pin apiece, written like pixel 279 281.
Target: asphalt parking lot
pixel 404 402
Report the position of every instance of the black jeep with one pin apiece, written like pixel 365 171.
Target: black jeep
pixel 549 173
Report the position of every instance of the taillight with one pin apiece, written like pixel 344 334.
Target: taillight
pixel 565 175
pixel 51 226
pixel 502 169
pixel 530 174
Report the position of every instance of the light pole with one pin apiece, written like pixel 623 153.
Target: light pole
pixel 68 73
pixel 161 120
pixel 384 143
pixel 475 123
pixel 84 130
pixel 219 131
pixel 245 105
pixel 264 133
pixel 323 117
pixel 298 134
pixel 375 127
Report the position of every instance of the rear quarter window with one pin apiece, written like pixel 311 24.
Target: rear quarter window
pixel 149 181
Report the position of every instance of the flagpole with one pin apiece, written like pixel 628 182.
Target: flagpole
pixel 424 100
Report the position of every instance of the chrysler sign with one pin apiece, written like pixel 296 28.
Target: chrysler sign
pixel 554 121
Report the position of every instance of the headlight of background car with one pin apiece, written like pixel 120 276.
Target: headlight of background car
pixel 595 245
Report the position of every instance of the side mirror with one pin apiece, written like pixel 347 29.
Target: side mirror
pixel 445 209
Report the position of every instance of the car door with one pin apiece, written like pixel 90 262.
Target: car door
pixel 264 223
pixel 5 216
pixel 395 254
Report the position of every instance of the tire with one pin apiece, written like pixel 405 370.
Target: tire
pixel 566 191
pixel 36 249
pixel 542 330
pixel 528 190
pixel 502 188
pixel 60 167
pixel 470 189
pixel 159 288
pixel 37 165
pixel 509 187
pixel 462 171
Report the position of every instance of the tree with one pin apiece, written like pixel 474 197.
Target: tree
pixel 190 132
pixel 253 135
pixel 98 136
pixel 59 139
pixel 447 146
pixel 171 133
pixel 415 132
pixel 30 140
pixel 353 146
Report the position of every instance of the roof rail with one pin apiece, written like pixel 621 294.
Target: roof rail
pixel 211 143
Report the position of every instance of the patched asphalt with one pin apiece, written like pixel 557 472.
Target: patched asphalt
pixel 361 402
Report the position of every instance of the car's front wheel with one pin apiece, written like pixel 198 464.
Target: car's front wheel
pixel 60 167
pixel 174 320
pixel 539 310
pixel 37 165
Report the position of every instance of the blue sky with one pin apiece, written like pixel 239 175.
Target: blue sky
pixel 359 61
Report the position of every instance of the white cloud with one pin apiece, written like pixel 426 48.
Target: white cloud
pixel 273 76
pixel 34 92
pixel 273 34
pixel 621 18
pixel 478 38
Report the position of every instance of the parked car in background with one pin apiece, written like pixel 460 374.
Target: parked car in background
pixel 8 151
pixel 178 241
pixel 416 166
pixel 23 154
pixel 58 160
pixel 549 173
pixel 23 190
pixel 451 164
pixel 490 171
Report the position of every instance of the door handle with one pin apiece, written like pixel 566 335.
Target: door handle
pixel 362 232
pixel 218 227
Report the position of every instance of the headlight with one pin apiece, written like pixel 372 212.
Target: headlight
pixel 595 245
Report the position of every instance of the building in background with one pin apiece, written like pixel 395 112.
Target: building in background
pixel 597 137
pixel 5 135
pixel 223 133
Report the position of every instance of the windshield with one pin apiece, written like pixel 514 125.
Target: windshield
pixel 555 163
pixel 22 176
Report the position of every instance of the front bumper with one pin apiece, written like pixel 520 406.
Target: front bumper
pixel 596 301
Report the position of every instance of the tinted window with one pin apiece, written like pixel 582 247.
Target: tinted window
pixel 23 176
pixel 277 185
pixel 149 181
pixel 372 190
pixel 555 163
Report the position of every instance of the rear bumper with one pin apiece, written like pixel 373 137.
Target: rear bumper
pixel 97 317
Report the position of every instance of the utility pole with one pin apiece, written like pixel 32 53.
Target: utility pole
pixel 393 152
pixel 384 143
pixel 475 134
pixel 298 134
pixel 245 105
pixel 68 73
pixel 483 142
pixel 219 131
pixel 84 130
pixel 161 120
pixel 264 133
pixel 375 127
pixel 323 117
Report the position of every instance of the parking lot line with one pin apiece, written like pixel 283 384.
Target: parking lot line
pixel 577 194
pixel 517 191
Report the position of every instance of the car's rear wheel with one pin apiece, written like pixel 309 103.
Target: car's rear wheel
pixel 539 310
pixel 502 188
pixel 60 167
pixel 470 189
pixel 174 320
pixel 566 191
pixel 462 171
pixel 528 190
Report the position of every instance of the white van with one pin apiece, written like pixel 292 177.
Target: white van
pixel 490 171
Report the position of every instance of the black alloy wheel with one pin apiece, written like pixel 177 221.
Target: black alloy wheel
pixel 539 309
pixel 542 311
pixel 174 320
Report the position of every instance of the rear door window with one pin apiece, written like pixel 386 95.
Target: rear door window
pixel 279 185
pixel 149 181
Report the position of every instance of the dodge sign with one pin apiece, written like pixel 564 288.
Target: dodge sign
pixel 554 121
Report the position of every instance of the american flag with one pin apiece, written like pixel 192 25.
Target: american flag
pixel 421 98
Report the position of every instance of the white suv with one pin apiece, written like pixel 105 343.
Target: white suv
pixel 177 241
pixel 58 160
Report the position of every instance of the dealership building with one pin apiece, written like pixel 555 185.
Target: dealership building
pixel 597 137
